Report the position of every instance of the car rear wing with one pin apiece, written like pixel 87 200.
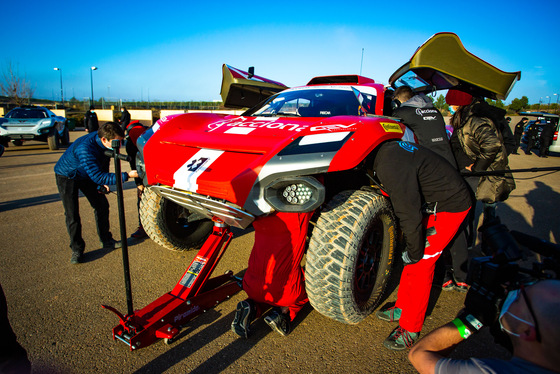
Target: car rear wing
pixel 442 62
pixel 241 89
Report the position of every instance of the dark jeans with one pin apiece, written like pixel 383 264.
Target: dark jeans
pixel 68 189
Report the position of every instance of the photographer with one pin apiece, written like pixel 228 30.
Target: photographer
pixel 528 316
pixel 85 167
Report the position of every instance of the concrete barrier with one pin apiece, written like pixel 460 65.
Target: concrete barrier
pixel 105 115
pixel 60 112
pixel 145 116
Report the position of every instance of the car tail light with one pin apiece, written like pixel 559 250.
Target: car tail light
pixel 555 135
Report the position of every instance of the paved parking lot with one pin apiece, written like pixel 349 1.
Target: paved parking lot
pixel 55 307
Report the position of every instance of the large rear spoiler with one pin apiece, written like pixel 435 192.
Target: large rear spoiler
pixel 241 89
pixel 444 63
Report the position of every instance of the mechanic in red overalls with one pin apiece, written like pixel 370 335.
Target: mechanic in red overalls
pixel 431 201
pixel 274 277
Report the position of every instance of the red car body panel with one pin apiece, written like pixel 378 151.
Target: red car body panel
pixel 238 147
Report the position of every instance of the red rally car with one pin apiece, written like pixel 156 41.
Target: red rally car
pixel 301 149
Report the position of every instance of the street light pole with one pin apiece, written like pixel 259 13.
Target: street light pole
pixel 61 90
pixel 91 77
pixel 548 102
pixel 556 101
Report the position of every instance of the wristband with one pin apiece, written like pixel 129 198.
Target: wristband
pixel 463 330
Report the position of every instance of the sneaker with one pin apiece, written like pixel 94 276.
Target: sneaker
pixel 77 258
pixel 448 286
pixel 279 322
pixel 400 339
pixel 392 314
pixel 462 287
pixel 244 315
pixel 111 244
pixel 139 233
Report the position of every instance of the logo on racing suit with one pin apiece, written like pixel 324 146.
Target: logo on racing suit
pixel 409 147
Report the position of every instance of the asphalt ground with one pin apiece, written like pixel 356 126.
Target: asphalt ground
pixel 55 307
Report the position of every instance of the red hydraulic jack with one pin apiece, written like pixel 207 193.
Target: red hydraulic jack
pixel 193 295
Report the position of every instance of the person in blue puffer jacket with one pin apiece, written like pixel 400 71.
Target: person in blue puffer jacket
pixel 85 167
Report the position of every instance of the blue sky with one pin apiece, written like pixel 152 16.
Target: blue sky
pixel 172 50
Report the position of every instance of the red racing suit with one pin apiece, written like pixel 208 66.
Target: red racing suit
pixel 274 275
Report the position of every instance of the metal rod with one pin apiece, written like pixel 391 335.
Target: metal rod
pixel 116 148
pixel 467 173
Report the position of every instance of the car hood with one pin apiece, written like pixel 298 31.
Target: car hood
pixel 442 62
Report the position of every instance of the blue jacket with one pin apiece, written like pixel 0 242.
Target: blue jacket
pixel 85 159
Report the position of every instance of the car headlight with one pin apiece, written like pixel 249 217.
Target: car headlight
pixel 295 194
pixel 45 122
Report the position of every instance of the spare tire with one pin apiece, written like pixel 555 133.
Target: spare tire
pixel 171 225
pixel 350 255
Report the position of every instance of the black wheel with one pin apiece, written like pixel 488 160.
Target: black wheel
pixel 53 140
pixel 65 139
pixel 17 142
pixel 350 255
pixel 167 223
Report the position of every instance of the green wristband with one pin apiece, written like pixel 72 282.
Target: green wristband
pixel 463 330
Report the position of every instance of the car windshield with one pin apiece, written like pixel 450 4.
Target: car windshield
pixel 27 113
pixel 411 80
pixel 312 102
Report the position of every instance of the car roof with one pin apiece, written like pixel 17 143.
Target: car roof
pixel 442 62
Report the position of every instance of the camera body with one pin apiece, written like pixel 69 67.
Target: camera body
pixel 493 276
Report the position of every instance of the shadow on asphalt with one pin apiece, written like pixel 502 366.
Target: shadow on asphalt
pixel 27 165
pixel 216 326
pixel 46 199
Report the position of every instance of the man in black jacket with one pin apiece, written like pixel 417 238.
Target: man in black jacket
pixel 125 118
pixel 90 120
pixel 518 133
pixel 431 201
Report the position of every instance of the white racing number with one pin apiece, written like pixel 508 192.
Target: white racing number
pixel 187 175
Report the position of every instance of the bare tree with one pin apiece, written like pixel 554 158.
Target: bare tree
pixel 17 88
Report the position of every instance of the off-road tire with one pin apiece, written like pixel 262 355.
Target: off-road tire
pixel 350 255
pixel 161 221
pixel 53 140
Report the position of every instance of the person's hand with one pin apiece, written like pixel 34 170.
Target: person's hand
pixel 140 190
pixel 133 174
pixel 469 168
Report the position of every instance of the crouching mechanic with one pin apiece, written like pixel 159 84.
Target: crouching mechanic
pixel 85 167
pixel 274 277
pixel 431 201
pixel 528 316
